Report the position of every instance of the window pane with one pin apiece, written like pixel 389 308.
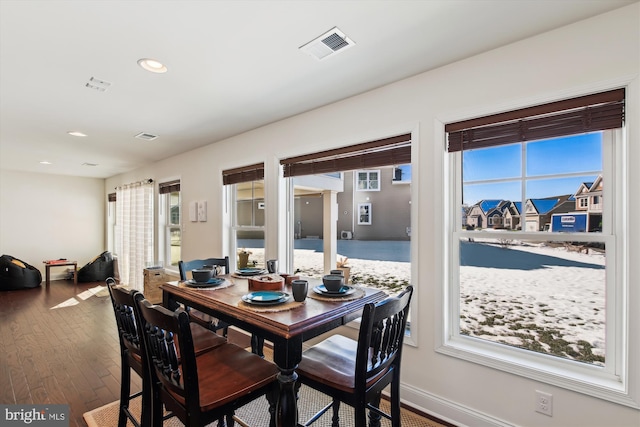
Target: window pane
pixel 251 242
pixel 176 244
pixel 174 206
pixel 541 296
pixel 492 163
pixel 250 204
pixel 542 188
pixel 578 153
pixel 475 193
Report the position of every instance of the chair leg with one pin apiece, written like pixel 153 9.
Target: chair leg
pixel 335 420
pixel 125 390
pixel 374 417
pixel 147 401
pixel 157 412
pixel 395 401
pixel 257 345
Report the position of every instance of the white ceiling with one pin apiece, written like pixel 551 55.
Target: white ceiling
pixel 233 66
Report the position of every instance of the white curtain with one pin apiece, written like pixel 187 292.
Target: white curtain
pixel 134 228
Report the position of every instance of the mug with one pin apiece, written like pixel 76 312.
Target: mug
pixel 215 269
pixel 299 289
pixel 272 266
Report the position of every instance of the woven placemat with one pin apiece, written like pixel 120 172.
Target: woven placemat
pixel 222 285
pixel 286 306
pixel 359 293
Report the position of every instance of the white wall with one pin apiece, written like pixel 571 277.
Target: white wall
pixel 592 55
pixel 49 216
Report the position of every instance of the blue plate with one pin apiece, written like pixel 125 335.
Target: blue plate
pixel 214 281
pixel 265 297
pixel 250 271
pixel 345 290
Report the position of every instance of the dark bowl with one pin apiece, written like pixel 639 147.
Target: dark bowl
pixel 333 282
pixel 202 275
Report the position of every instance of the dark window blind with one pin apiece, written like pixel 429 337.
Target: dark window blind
pixel 383 152
pixel 243 174
pixel 111 197
pixel 169 187
pixel 589 113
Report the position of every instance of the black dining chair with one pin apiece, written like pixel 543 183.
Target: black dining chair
pixel 204 319
pixel 199 390
pixel 187 266
pixel 132 353
pixel 257 343
pixel 356 372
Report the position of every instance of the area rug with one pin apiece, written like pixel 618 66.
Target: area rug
pixel 257 413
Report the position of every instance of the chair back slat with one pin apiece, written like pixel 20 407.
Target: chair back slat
pixel 381 335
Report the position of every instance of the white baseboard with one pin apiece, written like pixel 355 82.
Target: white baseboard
pixel 447 410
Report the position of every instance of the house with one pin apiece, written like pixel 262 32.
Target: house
pixel 583 210
pixel 487 214
pixel 45 216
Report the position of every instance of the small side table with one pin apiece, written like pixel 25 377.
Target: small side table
pixel 60 263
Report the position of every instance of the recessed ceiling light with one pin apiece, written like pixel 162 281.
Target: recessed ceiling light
pixel 152 65
pixel 76 133
pixel 44 162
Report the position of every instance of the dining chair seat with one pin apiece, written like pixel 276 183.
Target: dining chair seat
pixel 198 389
pixel 356 371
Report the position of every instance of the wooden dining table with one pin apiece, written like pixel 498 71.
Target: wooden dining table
pixel 286 329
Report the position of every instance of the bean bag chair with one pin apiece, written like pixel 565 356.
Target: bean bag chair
pixel 17 274
pixel 97 270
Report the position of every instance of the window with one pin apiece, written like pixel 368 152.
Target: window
pixel 111 223
pixel 134 231
pixel 402 174
pixel 368 180
pixel 364 213
pixel 246 192
pixel 170 220
pixel 312 196
pixel 584 203
pixel 539 299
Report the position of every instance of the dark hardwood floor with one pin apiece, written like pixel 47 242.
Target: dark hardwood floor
pixel 61 346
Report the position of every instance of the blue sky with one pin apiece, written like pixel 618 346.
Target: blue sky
pixel 579 157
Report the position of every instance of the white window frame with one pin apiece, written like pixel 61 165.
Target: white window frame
pixel 165 228
pixel 111 227
pixel 369 180
pixel 611 382
pixel 234 227
pixel 368 220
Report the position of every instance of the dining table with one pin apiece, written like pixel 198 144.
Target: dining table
pixel 286 325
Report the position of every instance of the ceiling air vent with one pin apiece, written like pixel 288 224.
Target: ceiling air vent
pixel 97 84
pixel 146 136
pixel 333 41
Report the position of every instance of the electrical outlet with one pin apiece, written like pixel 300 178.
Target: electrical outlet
pixel 544 403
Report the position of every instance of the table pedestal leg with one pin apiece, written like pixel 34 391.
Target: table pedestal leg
pixel 47 273
pixel 287 409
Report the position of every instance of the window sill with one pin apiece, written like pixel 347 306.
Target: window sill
pixel 575 376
